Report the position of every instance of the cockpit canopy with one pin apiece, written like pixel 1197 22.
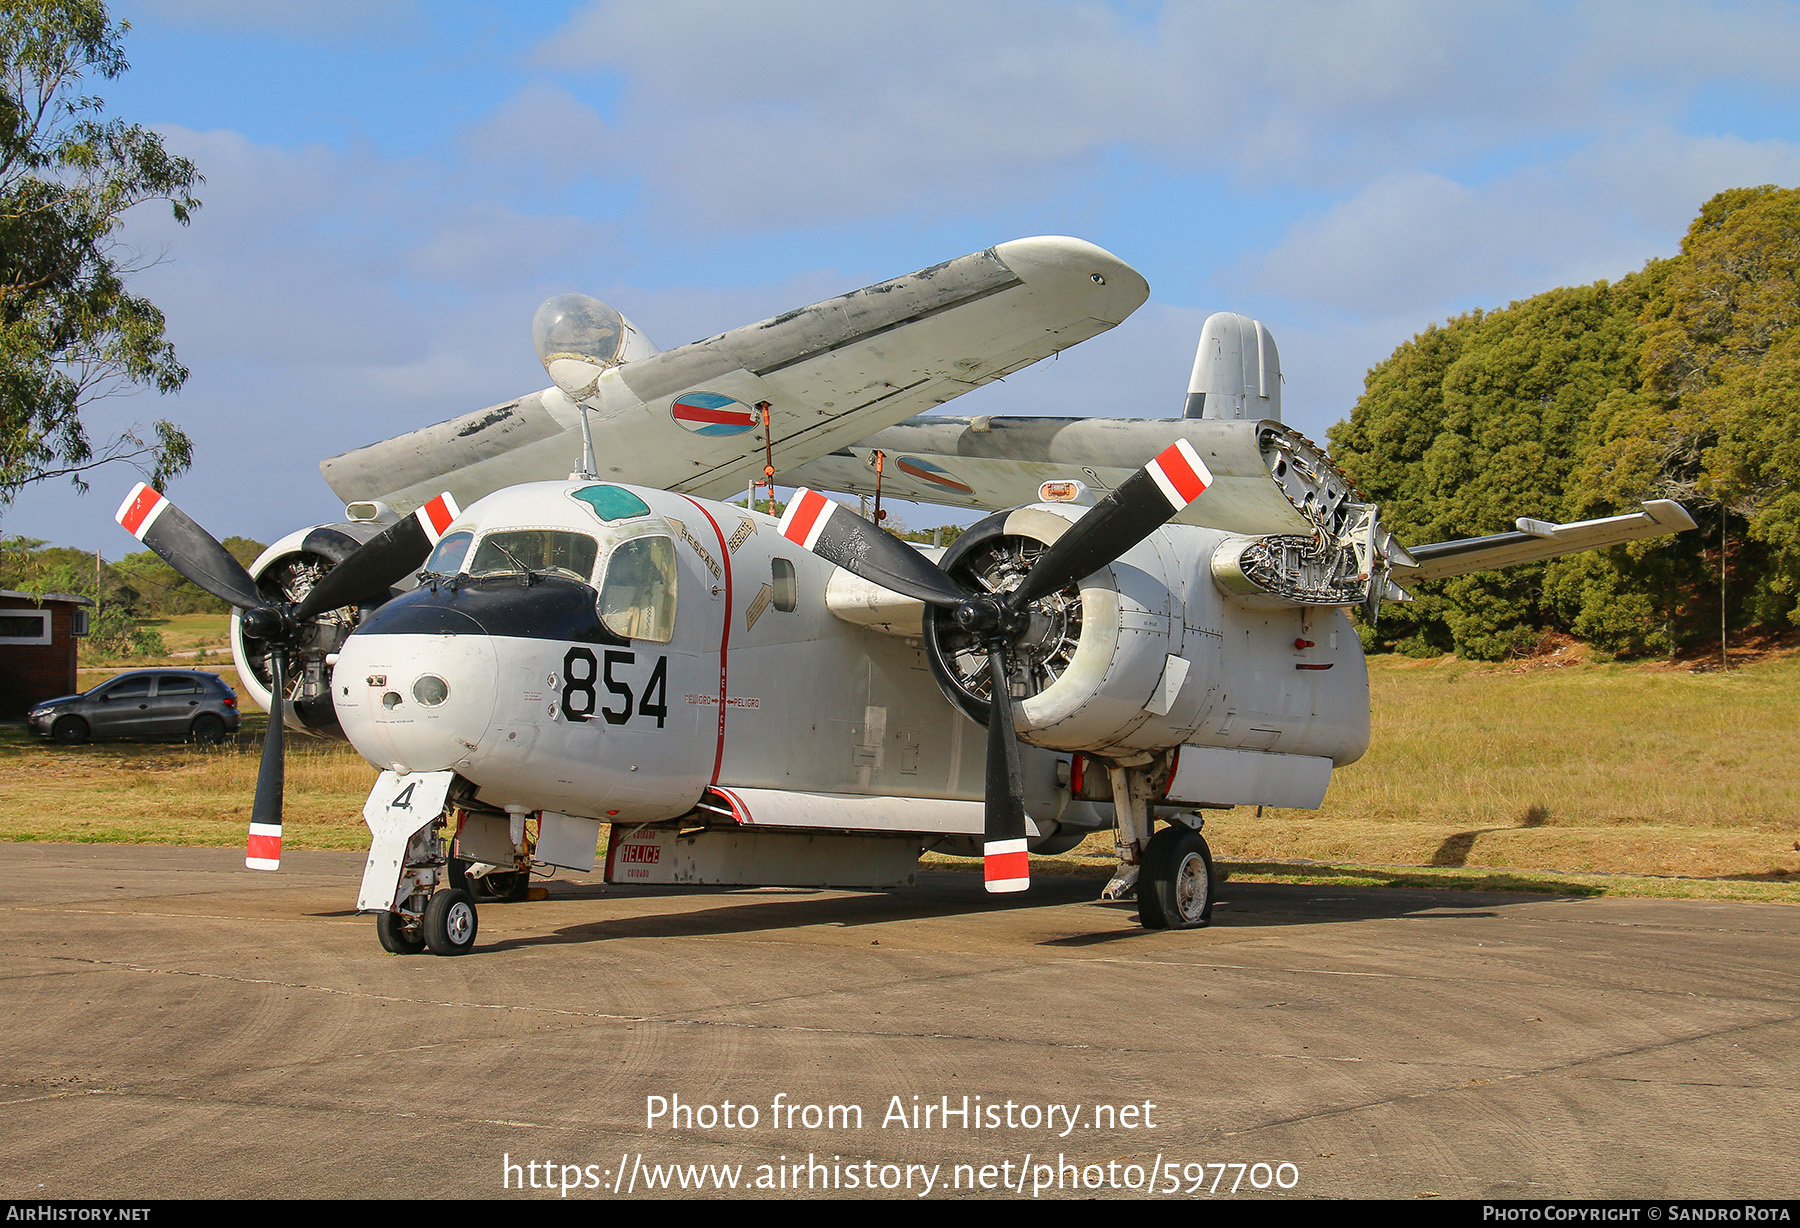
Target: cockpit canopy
pixel 634 578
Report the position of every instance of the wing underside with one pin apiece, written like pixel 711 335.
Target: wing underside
pixel 1536 540
pixel 690 419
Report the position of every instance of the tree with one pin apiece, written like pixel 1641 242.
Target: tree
pixel 70 333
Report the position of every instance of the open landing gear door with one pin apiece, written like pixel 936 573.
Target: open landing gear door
pixel 397 808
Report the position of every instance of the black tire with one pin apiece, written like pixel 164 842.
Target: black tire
pixel 207 730
pixel 70 730
pixel 1175 888
pixel 498 886
pixel 390 928
pixel 502 886
pixel 450 923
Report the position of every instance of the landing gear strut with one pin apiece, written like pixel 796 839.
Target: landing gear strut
pixel 408 861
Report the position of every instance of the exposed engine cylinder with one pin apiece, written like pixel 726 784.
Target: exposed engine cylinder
pixel 1153 651
pixel 1088 669
pixel 286 572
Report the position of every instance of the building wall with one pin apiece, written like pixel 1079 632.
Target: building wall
pixel 32 673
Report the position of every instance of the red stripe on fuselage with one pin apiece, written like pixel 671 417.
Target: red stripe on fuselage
pixel 724 639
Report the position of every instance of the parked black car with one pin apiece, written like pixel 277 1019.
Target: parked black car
pixel 146 704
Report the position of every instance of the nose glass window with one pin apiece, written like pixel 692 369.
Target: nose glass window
pixel 637 598
pixel 449 554
pixel 552 552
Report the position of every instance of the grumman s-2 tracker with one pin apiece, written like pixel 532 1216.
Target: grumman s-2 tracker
pixel 527 657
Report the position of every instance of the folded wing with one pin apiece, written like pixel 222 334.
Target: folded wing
pixel 689 419
pixel 1536 540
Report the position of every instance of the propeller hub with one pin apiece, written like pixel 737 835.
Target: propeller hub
pixel 989 619
pixel 267 623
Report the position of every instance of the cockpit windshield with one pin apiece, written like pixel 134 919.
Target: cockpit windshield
pixel 449 554
pixel 555 552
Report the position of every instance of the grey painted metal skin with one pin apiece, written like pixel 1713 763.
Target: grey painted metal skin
pixel 832 373
pixel 1001 463
pixel 810 703
pixel 1237 370
pixel 802 703
pixel 1535 540
pixel 1223 633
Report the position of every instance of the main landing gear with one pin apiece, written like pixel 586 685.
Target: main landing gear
pixel 1170 872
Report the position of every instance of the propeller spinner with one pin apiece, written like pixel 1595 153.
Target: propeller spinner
pixel 1139 506
pixel 364 577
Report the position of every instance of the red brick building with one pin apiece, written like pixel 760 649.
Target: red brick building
pixel 37 647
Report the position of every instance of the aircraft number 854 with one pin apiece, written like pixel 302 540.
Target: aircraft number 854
pixel 580 701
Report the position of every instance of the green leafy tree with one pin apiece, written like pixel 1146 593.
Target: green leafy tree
pixel 69 330
pixel 1722 348
pixel 1473 424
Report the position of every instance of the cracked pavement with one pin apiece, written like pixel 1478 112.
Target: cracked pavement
pixel 181 1027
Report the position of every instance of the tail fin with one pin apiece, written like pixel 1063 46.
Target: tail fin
pixel 1237 372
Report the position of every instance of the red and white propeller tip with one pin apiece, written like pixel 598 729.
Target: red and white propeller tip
pixel 1180 474
pixel 1007 866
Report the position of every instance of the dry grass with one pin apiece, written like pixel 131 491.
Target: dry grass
pixel 1588 778
pixel 125 793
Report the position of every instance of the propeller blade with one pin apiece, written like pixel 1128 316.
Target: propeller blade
pixel 1136 508
pixel 185 546
pixel 382 561
pixel 1004 859
pixel 838 535
pixel 264 849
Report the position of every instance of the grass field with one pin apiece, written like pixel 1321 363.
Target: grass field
pixel 1593 778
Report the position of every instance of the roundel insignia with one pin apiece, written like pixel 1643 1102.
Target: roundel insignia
pixel 709 413
pixel 925 471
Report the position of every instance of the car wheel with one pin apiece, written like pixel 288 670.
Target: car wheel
pixel 208 730
pixel 70 730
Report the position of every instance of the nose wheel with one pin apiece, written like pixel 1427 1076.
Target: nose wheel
pixel 450 923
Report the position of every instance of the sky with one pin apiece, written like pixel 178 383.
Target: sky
pixel 391 188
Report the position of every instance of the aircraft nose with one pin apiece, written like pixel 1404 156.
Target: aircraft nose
pixel 417 703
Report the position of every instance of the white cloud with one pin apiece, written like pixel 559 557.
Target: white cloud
pixel 1423 244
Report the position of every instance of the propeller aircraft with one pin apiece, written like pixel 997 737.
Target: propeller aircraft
pixel 1151 624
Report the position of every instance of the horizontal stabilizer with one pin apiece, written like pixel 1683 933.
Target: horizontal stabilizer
pixel 1536 540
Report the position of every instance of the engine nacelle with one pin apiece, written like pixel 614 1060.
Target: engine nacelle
pixel 286 572
pixel 1148 653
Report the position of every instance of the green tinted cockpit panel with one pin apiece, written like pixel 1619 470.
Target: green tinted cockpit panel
pixel 611 502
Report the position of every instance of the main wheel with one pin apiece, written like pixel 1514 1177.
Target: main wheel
pixel 1175 890
pixel 390 928
pixel 208 730
pixel 502 886
pixel 499 886
pixel 70 730
pixel 450 923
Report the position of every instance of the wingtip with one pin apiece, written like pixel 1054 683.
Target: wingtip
pixel 1075 265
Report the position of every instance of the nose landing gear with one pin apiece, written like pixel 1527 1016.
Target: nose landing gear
pixel 408 860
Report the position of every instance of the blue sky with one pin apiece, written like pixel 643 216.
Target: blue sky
pixel 392 188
